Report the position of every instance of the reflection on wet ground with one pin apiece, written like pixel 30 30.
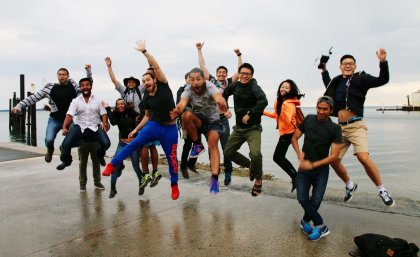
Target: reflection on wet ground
pixel 44 214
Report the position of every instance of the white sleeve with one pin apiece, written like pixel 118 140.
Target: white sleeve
pixel 72 108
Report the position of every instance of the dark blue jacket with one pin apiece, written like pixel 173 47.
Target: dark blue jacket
pixel 356 92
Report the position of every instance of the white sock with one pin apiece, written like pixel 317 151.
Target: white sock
pixel 381 188
pixel 349 184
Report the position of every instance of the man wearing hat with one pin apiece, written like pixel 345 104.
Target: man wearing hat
pixel 130 91
pixel 349 92
pixel 321 134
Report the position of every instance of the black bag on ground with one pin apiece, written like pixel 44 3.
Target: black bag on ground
pixel 374 245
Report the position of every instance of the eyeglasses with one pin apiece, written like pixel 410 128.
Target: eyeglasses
pixel 245 74
pixel 348 64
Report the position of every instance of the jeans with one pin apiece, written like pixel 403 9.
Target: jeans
pixel 168 137
pixel 252 136
pixel 53 127
pixel 84 150
pixel 318 179
pixel 134 161
pixel 74 139
pixel 224 136
pixel 279 155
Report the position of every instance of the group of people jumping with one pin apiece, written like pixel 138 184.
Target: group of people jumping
pixel 146 115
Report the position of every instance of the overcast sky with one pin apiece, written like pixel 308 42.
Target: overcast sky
pixel 281 39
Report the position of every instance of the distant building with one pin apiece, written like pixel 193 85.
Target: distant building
pixel 415 98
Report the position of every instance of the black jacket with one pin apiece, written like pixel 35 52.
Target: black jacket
pixel 360 83
pixel 247 98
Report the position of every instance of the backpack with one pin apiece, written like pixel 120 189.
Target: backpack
pixel 299 116
pixel 374 245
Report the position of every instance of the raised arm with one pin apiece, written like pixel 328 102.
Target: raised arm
pixel 32 99
pixel 179 108
pixel 108 63
pixel 201 61
pixel 240 62
pixel 141 47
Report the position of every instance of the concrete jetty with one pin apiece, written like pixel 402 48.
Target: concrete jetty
pixel 44 214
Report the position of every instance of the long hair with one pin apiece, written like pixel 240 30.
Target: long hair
pixel 294 93
pixel 127 106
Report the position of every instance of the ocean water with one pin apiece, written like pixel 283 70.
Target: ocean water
pixel 393 144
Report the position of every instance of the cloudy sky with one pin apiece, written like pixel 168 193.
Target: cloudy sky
pixel 281 39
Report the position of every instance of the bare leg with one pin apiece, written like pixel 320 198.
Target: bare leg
pixel 370 168
pixel 340 170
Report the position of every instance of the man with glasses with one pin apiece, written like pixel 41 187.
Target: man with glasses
pixel 249 103
pixel 349 93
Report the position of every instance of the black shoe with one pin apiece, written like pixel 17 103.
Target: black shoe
pixel 102 160
pixel 141 191
pixel 184 172
pixel 112 193
pixel 48 155
pixel 98 185
pixel 62 166
pixel 192 168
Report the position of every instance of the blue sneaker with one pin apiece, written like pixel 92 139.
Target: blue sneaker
pixel 306 227
pixel 214 185
pixel 197 150
pixel 317 233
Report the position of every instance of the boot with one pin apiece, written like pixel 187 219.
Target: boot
pixel 113 191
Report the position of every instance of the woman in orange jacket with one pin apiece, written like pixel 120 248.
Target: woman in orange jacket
pixel 288 97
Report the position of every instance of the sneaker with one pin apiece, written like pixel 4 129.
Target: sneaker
pixel 155 179
pixel 110 168
pixel 62 166
pixel 184 172
pixel 386 197
pixel 228 178
pixel 48 155
pixel 98 185
pixel 197 150
pixel 175 191
pixel 214 185
pixel 349 193
pixel 192 168
pixel 146 180
pixel 317 233
pixel 141 191
pixel 306 227
pixel 82 188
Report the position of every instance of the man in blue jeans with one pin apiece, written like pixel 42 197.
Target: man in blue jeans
pixel 321 134
pixel 92 122
pixel 59 97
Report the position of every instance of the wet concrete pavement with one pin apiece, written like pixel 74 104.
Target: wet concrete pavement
pixel 44 214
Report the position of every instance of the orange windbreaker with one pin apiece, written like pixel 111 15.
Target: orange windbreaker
pixel 287 119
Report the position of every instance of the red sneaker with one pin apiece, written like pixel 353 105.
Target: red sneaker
pixel 110 168
pixel 175 191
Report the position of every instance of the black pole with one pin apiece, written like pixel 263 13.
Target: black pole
pixel 22 96
pixel 33 125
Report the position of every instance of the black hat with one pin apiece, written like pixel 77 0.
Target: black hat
pixel 131 78
pixel 326 99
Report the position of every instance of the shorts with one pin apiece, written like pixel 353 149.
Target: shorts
pixel 354 134
pixel 207 126
pixel 152 143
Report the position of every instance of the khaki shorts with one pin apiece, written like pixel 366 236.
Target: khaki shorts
pixel 354 134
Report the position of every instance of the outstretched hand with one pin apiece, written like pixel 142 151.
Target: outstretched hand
pixel 175 112
pixel 140 45
pixel 108 61
pixel 237 51
pixel 381 53
pixel 199 45
pixel 88 66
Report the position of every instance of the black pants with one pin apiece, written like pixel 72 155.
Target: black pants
pixel 279 156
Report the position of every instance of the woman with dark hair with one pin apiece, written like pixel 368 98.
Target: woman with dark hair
pixel 288 98
pixel 156 124
pixel 125 118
